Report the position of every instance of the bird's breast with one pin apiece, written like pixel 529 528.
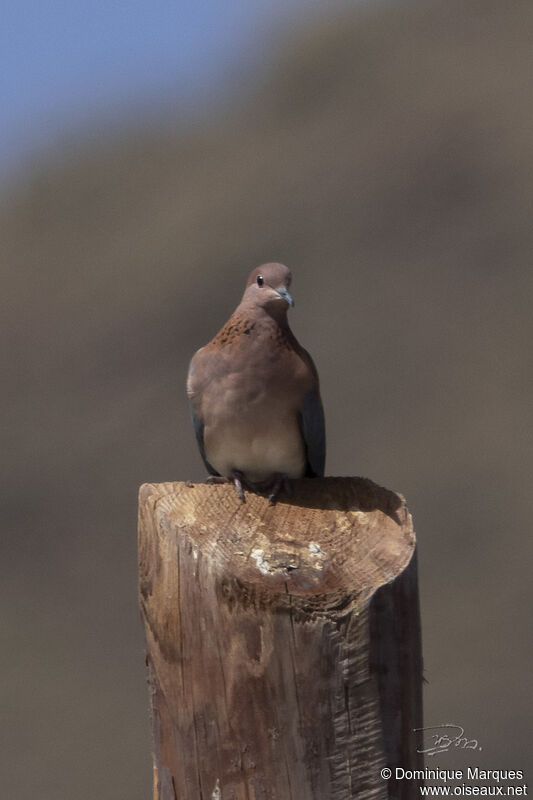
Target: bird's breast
pixel 257 448
pixel 250 410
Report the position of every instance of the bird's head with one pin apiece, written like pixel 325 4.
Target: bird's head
pixel 268 288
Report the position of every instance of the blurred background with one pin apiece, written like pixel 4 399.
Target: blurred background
pixel 151 155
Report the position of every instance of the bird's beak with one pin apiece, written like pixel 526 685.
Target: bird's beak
pixel 285 295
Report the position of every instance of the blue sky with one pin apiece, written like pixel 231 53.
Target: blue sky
pixel 64 63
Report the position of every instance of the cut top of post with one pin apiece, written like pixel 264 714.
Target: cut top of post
pixel 330 536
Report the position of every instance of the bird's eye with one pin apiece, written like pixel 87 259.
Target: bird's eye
pixel 260 280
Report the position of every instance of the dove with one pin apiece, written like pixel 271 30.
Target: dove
pixel 254 394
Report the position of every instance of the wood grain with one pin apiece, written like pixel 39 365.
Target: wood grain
pixel 283 642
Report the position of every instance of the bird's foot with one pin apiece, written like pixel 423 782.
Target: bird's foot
pixel 238 481
pixel 277 482
pixel 274 485
pixel 280 482
pixel 236 477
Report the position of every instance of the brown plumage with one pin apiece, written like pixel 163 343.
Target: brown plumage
pixel 254 393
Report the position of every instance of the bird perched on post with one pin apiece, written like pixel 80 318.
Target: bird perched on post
pixel 254 394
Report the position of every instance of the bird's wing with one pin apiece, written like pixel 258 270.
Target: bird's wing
pixel 199 431
pixel 314 433
pixel 194 389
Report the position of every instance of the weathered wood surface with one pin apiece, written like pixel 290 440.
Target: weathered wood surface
pixel 283 642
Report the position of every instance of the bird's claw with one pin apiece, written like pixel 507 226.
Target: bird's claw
pixel 274 485
pixel 238 480
pixel 278 482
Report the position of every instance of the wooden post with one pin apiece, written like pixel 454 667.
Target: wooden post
pixel 283 642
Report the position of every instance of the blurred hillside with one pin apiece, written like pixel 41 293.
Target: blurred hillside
pixel 386 156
